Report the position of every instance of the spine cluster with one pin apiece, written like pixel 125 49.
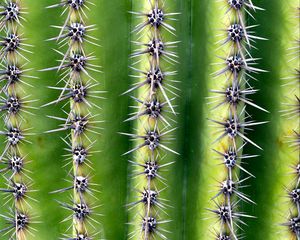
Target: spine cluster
pixel 291 113
pixel 14 108
pixel 76 93
pixel 233 121
pixel 154 93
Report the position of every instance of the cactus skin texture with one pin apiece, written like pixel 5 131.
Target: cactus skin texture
pixel 153 61
pixel 290 132
pixel 194 177
pixel 232 122
pixel 16 112
pixel 78 87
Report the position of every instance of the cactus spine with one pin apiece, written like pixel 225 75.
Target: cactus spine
pixel 290 132
pixel 153 55
pixel 230 117
pixel 15 107
pixel 78 82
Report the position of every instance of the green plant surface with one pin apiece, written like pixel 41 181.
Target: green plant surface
pixel 47 150
pixel 193 178
pixel 162 154
pixel 274 171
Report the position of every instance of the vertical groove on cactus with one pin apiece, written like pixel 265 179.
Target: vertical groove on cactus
pixel 78 84
pixel 15 108
pixel 153 60
pixel 291 115
pixel 231 118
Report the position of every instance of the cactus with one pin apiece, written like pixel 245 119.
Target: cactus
pixel 78 84
pixel 290 132
pixel 231 121
pixel 194 181
pixel 16 112
pixel 152 56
